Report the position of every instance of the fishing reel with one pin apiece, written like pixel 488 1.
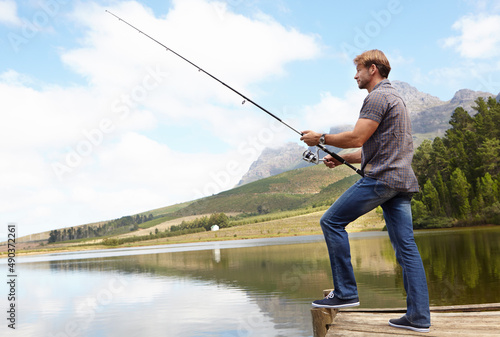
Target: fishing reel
pixel 311 157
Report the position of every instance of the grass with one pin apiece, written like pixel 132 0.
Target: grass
pixel 307 224
pixel 155 222
pixel 166 210
pixel 290 190
pixel 274 216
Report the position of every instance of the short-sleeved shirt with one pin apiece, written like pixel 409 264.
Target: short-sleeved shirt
pixel 387 154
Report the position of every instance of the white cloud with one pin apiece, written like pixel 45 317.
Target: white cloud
pixel 8 13
pixel 334 111
pixel 234 48
pixel 479 36
pixel 478 44
pixel 79 154
pixel 478 75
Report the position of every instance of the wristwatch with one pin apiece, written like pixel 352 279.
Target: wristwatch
pixel 322 139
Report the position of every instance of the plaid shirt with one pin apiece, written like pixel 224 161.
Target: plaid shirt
pixel 387 154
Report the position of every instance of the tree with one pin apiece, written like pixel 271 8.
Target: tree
pixel 460 121
pixel 54 236
pixel 422 161
pixel 489 156
pixel 219 219
pixel 461 140
pixel 79 233
pixel 443 194
pixel 460 190
pixel 431 198
pixel 488 189
pixel 418 211
pixel 71 233
pixel 262 209
pixel 484 120
pixel 439 158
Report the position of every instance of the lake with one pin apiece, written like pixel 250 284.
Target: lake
pixel 260 287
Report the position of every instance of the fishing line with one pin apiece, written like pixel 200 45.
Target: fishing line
pixel 308 156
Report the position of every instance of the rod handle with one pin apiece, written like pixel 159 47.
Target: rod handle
pixel 340 159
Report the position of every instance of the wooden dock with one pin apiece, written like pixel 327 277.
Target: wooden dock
pixel 458 321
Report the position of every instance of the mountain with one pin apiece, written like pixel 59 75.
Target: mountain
pixel 419 103
pixel 416 101
pixel 436 118
pixel 274 161
pixel 428 113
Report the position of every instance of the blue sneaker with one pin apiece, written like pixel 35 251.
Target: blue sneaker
pixel 330 301
pixel 405 324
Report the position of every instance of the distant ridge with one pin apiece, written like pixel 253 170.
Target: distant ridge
pixel 436 118
pixel 415 100
pixel 274 161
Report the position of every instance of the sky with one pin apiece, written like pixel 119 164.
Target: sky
pixel 98 121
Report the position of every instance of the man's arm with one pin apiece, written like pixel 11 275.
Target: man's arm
pixel 351 158
pixel 362 131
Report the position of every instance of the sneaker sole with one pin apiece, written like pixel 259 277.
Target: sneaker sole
pixel 335 306
pixel 409 327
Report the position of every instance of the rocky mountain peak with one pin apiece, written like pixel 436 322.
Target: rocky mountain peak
pixel 415 100
pixel 467 95
pixel 274 161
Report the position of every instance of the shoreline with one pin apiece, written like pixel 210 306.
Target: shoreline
pixel 301 225
pixel 288 227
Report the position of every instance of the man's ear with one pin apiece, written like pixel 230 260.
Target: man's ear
pixel 373 68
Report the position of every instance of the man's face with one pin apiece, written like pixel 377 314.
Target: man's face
pixel 362 76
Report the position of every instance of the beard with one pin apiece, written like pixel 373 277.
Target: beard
pixel 361 84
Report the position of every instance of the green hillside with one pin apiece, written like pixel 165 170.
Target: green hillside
pixel 306 187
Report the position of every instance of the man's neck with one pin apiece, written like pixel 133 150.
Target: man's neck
pixel 373 83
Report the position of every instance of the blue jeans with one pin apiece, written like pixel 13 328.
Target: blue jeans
pixel 365 195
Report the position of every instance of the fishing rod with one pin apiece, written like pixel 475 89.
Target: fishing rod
pixel 308 155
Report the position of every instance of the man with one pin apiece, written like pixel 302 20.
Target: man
pixel 383 131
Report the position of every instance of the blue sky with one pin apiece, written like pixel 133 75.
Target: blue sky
pixel 100 122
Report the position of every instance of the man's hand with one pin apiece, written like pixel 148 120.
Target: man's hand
pixel 331 162
pixel 311 138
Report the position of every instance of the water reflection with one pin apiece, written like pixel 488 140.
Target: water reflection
pixel 462 266
pixel 262 290
pixel 216 255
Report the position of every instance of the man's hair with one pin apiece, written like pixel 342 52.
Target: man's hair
pixel 375 57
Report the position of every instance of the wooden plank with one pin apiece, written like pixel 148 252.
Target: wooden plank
pixel 477 320
pixel 448 308
pixel 467 308
pixel 477 324
pixel 322 319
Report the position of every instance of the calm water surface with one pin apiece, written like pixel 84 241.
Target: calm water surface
pixel 239 288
